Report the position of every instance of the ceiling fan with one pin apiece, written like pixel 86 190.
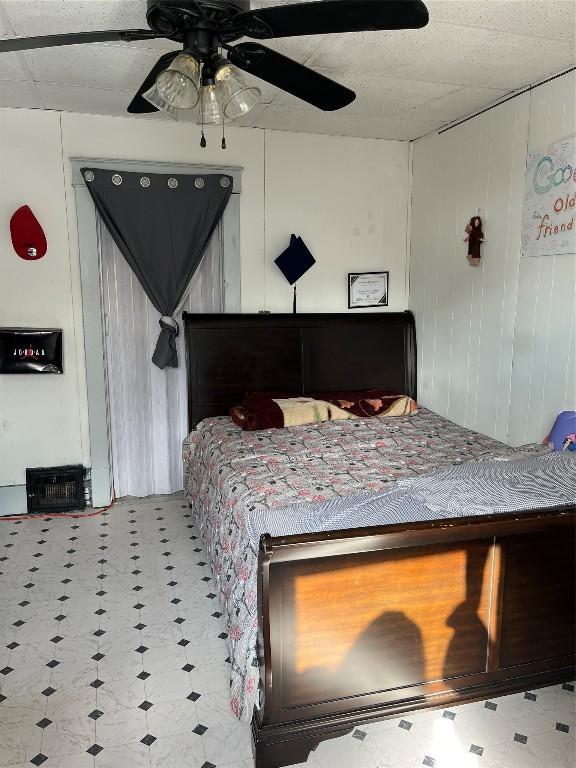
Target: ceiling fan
pixel 207 28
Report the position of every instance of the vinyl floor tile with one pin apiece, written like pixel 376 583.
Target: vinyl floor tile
pixel 514 755
pixel 122 726
pixel 225 743
pixel 171 718
pixel 178 751
pixel 73 674
pixel 555 749
pixel 393 748
pixel 19 743
pixel 78 760
pixel 135 755
pixel 68 703
pixel 342 753
pixel 169 686
pixel 67 737
pixel 125 693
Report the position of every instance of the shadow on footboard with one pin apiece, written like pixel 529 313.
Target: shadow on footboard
pixel 361 625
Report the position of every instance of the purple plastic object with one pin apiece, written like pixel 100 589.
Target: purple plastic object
pixel 564 425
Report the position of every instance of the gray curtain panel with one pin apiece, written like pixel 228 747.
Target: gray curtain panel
pixel 161 225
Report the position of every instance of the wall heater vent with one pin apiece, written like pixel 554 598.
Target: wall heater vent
pixel 55 489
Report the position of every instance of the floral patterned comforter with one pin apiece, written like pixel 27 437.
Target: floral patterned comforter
pixel 228 473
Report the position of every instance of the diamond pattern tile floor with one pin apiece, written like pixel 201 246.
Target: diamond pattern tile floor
pixel 96 669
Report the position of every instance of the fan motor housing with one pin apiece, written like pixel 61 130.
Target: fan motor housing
pixel 174 17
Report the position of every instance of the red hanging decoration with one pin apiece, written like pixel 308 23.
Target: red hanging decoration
pixel 28 237
pixel 474 238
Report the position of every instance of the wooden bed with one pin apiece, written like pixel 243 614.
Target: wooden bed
pixel 360 625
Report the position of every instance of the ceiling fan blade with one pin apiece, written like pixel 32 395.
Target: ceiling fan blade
pixel 290 76
pixel 51 41
pixel 139 104
pixel 331 16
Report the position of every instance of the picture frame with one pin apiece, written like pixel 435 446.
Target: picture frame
pixel 367 289
pixel 31 351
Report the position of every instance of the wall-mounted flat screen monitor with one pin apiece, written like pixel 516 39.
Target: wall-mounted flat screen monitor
pixel 30 350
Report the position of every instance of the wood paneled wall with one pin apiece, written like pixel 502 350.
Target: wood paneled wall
pixel 496 343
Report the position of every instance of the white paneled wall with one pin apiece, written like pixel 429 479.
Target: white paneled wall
pixel 465 315
pixel 495 343
pixel 543 379
pixel 349 202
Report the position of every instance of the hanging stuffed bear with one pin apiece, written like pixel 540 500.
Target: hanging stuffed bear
pixel 474 238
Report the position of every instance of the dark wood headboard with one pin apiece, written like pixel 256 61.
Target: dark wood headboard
pixel 229 355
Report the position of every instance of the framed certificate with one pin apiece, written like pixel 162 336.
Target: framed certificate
pixel 367 289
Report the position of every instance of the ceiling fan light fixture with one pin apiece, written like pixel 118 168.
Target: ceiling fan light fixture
pixel 211 104
pixel 177 86
pixel 238 98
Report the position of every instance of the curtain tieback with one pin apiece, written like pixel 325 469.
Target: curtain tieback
pixel 165 353
pixel 170 324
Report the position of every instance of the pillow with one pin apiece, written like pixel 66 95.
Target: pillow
pixel 563 434
pixel 265 410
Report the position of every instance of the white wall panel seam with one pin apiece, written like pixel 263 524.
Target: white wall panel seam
pixel 507 257
pixel 547 344
pixel 82 437
pixel 409 203
pixel 570 398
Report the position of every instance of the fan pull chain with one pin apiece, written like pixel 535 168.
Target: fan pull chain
pixel 223 115
pixel 203 139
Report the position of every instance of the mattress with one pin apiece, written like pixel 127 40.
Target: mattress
pixel 232 477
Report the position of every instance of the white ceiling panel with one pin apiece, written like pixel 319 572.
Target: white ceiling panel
pixel 11 67
pixel 13 94
pixel 97 66
pixel 75 98
pixel 443 53
pixel 48 17
pixel 310 120
pixel 465 101
pixel 554 19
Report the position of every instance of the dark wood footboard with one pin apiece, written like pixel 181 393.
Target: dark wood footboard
pixel 361 625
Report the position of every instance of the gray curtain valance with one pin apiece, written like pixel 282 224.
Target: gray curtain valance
pixel 161 225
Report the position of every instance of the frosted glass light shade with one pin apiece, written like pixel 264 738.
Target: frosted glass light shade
pixel 157 101
pixel 177 86
pixel 211 104
pixel 238 98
